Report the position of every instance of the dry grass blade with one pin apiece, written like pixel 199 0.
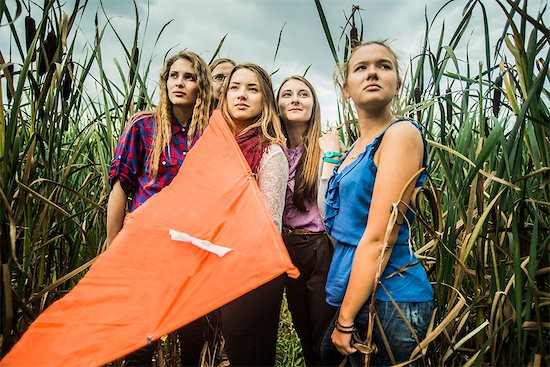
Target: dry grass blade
pixel 62 280
pixel 462 341
pixel 43 198
pixel 449 319
pixel 466 250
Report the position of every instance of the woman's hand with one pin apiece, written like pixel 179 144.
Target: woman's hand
pixel 330 142
pixel 342 342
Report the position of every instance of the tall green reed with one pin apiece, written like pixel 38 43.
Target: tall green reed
pixel 56 140
pixel 484 241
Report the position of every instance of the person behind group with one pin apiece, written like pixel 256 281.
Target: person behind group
pixel 220 69
pixel 303 230
pixel 250 323
pixel 384 162
pixel 150 151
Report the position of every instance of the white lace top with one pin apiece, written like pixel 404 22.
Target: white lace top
pixel 321 191
pixel 272 180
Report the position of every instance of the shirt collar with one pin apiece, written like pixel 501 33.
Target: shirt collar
pixel 176 127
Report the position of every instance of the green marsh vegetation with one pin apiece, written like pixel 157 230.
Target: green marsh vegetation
pixel 483 231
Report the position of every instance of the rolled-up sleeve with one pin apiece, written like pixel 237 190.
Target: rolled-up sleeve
pixel 127 162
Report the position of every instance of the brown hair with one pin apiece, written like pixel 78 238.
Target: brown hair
pixel 268 120
pixel 307 171
pixel 221 60
pixel 163 113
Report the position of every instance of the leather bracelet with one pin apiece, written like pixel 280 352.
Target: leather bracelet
pixel 350 331
pixel 344 327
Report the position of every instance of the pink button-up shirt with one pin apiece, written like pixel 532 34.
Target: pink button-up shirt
pixel 292 216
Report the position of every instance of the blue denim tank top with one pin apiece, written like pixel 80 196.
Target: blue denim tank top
pixel 346 223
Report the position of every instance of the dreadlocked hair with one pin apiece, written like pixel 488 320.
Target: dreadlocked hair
pixel 163 113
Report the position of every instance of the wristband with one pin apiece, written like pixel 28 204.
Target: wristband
pixel 344 327
pixel 332 154
pixel 351 331
pixel 330 160
pixel 328 157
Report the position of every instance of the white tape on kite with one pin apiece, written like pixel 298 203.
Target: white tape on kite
pixel 203 244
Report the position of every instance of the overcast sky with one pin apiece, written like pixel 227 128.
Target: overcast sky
pixel 253 27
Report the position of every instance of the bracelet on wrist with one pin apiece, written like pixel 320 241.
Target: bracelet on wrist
pixel 343 331
pixel 330 160
pixel 329 157
pixel 332 154
pixel 343 326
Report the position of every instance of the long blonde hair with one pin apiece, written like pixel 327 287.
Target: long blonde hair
pixel 268 120
pixel 307 171
pixel 163 113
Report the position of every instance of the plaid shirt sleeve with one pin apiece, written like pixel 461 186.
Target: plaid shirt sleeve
pixel 127 163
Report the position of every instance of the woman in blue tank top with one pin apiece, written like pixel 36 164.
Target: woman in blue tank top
pixel 375 177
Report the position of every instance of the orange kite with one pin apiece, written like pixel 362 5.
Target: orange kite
pixel 147 284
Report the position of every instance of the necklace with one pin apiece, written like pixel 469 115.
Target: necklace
pixel 358 148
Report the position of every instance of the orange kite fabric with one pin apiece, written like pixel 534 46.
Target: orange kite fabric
pixel 146 284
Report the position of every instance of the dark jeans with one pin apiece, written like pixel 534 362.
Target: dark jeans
pixel 250 325
pixel 400 338
pixel 192 338
pixel 311 315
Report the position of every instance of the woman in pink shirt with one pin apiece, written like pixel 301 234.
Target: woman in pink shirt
pixel 303 230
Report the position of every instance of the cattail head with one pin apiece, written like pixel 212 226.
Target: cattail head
pixel 42 67
pixel 133 65
pixel 141 102
pixel 51 46
pixel 417 94
pixel 47 57
pixel 8 71
pixel 496 96
pixel 353 37
pixel 30 33
pixel 449 105
pixel 97 37
pixel 67 81
pixel 417 99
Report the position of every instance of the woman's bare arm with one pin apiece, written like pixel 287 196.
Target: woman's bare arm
pixel 399 158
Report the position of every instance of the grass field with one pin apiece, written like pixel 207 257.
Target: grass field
pixel 483 229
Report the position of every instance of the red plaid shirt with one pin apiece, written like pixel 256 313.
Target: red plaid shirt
pixel 129 165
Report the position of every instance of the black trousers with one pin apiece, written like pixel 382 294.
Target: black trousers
pixel 192 338
pixel 250 325
pixel 311 315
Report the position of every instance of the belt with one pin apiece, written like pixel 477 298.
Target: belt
pixel 298 232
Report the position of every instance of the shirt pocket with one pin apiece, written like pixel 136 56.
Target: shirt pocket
pixel 168 168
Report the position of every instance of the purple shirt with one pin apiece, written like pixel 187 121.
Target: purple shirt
pixel 129 165
pixel 292 216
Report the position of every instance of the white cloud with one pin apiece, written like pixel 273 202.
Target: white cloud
pixel 253 26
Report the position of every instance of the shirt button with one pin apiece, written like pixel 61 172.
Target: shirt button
pixel 184 153
pixel 164 163
pixel 119 156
